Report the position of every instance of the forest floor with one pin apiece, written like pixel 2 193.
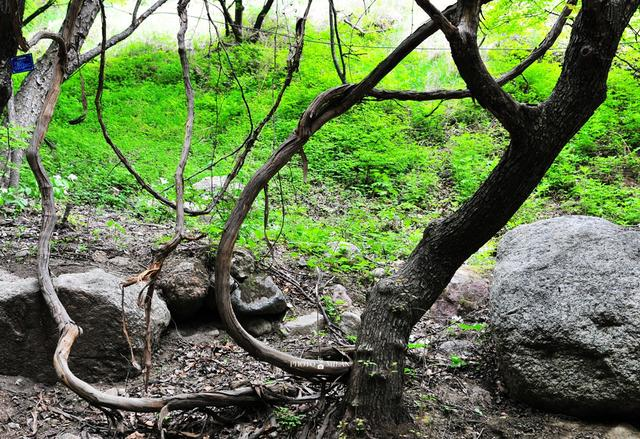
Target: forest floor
pixel 446 398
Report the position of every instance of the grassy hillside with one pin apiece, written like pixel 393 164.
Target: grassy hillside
pixel 377 175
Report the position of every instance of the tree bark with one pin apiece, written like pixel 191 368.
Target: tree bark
pixel 397 303
pixel 29 98
pixel 263 14
pixel 237 19
pixel 10 12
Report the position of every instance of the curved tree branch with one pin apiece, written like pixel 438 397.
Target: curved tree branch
pixel 324 108
pixel 434 95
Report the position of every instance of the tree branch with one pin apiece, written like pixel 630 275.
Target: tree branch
pixel 115 39
pixel 326 106
pixel 536 54
pixel 42 9
pixel 466 55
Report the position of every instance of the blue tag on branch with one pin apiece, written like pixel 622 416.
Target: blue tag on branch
pixel 22 63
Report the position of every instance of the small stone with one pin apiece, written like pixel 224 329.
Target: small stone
pixel 99 256
pixel 463 348
pixel 350 323
pixel 259 295
pixel 243 264
pixel 258 327
pixel 623 431
pixel 22 254
pixel 378 273
pixel 215 183
pixel 467 292
pixel 339 294
pixel 343 247
pixel 120 261
pixel 306 324
pixel 185 285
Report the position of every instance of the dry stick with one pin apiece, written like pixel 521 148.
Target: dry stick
pixel 325 107
pixel 179 183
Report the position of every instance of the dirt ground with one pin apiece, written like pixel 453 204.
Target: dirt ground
pixel 446 399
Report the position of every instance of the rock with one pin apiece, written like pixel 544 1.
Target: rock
pixel 215 183
pixel 344 247
pixel 258 327
pixel 622 431
pixel 338 293
pixel 350 323
pixel 184 284
pixel 467 292
pixel 67 436
pixel 378 273
pixel 565 306
pixel 243 264
pixel 120 261
pixel 22 254
pixel 99 256
pixel 306 324
pixel 461 348
pixel 259 295
pixel 92 299
pixel 210 300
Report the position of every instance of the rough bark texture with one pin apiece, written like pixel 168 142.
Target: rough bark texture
pixel 31 95
pixel 538 134
pixel 10 10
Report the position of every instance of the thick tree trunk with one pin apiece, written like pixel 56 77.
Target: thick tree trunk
pixel 30 97
pixel 9 11
pixel 397 303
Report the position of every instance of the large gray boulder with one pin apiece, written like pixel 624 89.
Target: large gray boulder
pixel 93 300
pixel 565 307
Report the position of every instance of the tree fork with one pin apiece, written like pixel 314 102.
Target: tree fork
pixel 537 137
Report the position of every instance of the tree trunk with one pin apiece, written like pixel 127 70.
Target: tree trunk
pixel 9 11
pixel 397 303
pixel 237 20
pixel 263 14
pixel 30 97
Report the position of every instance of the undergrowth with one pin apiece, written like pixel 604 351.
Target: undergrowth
pixel 377 175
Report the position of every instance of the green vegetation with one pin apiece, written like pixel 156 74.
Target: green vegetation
pixel 376 176
pixel 287 419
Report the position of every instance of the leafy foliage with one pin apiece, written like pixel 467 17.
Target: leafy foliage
pixel 377 175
